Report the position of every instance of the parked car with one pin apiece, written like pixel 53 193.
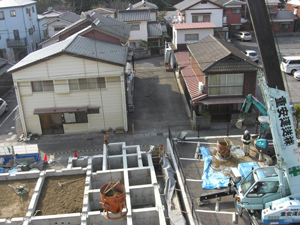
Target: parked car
pixel 252 55
pixel 290 64
pixel 243 36
pixel 297 75
pixel 3 106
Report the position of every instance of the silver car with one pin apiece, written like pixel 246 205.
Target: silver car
pixel 3 106
pixel 252 55
pixel 243 36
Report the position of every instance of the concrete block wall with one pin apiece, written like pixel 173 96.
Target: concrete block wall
pixel 118 162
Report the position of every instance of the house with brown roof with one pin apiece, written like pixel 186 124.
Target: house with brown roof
pixel 215 77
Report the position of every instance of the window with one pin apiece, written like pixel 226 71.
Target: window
pixel 225 84
pixel 200 18
pixel 30 30
pixel 90 83
pixel 42 86
pixel 13 13
pixel 59 28
pixel 33 9
pixel 135 27
pixel 0 36
pixel 16 35
pixel 75 117
pixel 93 110
pixel 191 37
pixel 235 11
pixel 45 32
pixel 1 15
pixel 28 11
pixel 261 188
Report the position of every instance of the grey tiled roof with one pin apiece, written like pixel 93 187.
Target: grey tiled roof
pixel 80 46
pixel 108 24
pixel 283 15
pixel 215 55
pixel 229 2
pixel 69 16
pixel 188 3
pixel 134 15
pixel 154 29
pixel 112 25
pixel 147 3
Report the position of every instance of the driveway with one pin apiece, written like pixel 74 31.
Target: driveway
pixel 157 99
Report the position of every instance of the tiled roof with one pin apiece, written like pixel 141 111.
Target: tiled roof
pixel 15 3
pixel 80 46
pixel 154 29
pixel 229 2
pixel 283 16
pixel 105 23
pixel 188 3
pixel 200 25
pixel 134 15
pixel 112 25
pixel 69 16
pixel 136 5
pixel 189 76
pixel 213 55
pixel 103 10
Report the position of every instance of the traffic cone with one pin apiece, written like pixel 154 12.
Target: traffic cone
pixel 45 158
pixel 75 154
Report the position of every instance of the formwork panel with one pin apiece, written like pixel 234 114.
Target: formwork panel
pixel 132 161
pixel 115 163
pixel 131 150
pixel 142 197
pixel 102 178
pixel 80 162
pixel 115 149
pixel 98 218
pixel 148 217
pixel 66 219
pixel 94 199
pixel 145 160
pixel 139 177
pixel 97 164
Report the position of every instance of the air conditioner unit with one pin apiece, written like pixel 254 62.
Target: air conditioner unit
pixel 200 87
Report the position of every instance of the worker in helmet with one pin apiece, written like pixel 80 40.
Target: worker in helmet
pixel 246 138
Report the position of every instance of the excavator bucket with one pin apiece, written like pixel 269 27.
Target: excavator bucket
pixel 240 123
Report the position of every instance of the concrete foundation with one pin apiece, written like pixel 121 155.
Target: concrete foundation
pixel 118 162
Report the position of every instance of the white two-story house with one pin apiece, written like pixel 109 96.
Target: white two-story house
pixel 74 86
pixel 19 34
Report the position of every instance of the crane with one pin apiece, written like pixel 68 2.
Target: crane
pixel 273 189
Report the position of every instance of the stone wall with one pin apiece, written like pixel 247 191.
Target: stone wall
pixel 204 122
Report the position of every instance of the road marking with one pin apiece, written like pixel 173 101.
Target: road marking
pixel 8 116
pixel 17 117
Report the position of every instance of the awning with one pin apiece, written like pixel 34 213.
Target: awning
pixel 220 101
pixel 59 110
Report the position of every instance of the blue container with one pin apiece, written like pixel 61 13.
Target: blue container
pixel 1 170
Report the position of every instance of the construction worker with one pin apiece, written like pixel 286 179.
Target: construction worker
pixel 246 138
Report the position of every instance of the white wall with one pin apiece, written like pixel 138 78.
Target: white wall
pixel 56 23
pixel 109 100
pixel 216 13
pixel 180 34
pixel 141 34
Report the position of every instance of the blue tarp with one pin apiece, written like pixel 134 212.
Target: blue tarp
pixel 36 156
pixel 210 178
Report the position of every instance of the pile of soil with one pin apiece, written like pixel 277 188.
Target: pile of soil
pixel 14 205
pixel 56 199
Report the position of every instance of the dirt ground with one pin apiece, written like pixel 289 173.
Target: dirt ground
pixel 55 199
pixel 12 204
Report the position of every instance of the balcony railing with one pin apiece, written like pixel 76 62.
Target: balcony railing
pixel 16 43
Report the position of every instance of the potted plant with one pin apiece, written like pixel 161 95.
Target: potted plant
pixel 103 131
pixel 119 130
pixel 109 131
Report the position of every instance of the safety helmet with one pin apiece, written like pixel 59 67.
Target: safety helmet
pixel 246 132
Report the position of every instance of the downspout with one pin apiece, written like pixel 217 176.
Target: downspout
pixel 124 102
pixel 23 124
